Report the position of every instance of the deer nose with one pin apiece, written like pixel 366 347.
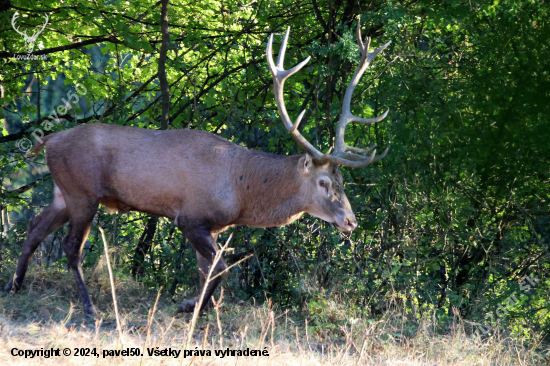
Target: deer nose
pixel 351 223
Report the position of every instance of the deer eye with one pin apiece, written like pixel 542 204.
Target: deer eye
pixel 323 183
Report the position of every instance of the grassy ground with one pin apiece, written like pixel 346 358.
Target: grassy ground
pixel 47 314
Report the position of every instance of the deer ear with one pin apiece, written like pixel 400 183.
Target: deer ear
pixel 305 165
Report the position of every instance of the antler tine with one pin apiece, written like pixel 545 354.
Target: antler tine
pixel 282 50
pixel 269 55
pixel 355 160
pixel 362 47
pixel 361 151
pixel 368 120
pixel 375 53
pixel 279 77
pixel 341 155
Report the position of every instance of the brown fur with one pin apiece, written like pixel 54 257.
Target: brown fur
pixel 200 180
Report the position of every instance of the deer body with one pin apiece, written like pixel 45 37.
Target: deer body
pixel 200 180
pixel 177 172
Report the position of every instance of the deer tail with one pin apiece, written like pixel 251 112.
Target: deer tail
pixel 40 144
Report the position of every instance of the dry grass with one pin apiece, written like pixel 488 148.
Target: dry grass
pixel 42 316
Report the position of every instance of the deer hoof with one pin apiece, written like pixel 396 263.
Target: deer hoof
pixel 90 311
pixel 9 286
pixel 187 306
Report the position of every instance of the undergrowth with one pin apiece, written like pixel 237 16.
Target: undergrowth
pixel 47 314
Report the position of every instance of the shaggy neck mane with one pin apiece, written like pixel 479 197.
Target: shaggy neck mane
pixel 268 186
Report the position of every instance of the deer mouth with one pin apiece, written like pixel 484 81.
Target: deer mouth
pixel 346 224
pixel 344 229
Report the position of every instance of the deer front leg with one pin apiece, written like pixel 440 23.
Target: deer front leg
pixel 188 306
pixel 205 244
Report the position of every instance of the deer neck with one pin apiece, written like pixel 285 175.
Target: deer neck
pixel 270 189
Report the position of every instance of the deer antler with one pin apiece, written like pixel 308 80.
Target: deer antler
pixel 279 77
pixel 343 154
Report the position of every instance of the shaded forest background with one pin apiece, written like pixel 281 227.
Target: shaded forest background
pixel 451 221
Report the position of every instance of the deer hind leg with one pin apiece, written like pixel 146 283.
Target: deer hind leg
pixel 51 219
pixel 205 244
pixel 79 228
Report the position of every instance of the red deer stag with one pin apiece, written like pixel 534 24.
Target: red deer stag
pixel 200 180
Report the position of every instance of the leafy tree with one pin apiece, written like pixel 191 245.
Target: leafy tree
pixel 454 217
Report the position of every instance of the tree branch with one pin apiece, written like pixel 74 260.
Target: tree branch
pixel 320 17
pixel 4 54
pixel 214 83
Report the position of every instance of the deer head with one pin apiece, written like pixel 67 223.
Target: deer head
pixel 343 154
pixel 29 39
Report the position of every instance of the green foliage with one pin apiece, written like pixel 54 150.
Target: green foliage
pixel 451 220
